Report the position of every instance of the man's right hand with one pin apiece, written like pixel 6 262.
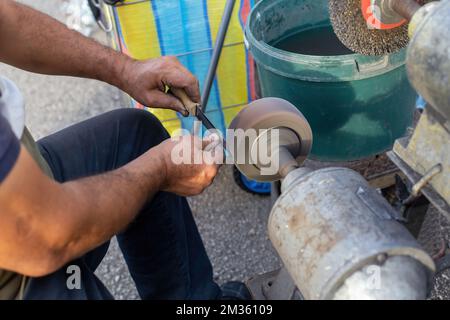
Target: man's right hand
pixel 190 163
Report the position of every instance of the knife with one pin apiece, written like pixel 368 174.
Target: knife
pixel 194 109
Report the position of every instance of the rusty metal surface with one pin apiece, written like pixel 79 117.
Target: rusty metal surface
pixel 428 59
pixel 427 147
pixel 329 224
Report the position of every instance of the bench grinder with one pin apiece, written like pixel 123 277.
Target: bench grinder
pixel 337 237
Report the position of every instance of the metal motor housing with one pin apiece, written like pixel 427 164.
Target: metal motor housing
pixel 329 226
pixel 428 60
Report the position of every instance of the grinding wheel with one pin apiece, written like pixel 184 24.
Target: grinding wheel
pixel 352 29
pixel 265 115
pixel 361 26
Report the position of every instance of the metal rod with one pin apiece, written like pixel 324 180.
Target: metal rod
pixel 217 51
pixel 405 8
pixel 287 161
pixel 419 185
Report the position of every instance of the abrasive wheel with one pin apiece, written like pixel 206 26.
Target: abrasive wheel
pixel 369 27
pixel 260 122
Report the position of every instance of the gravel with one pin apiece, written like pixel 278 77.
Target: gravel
pixel 232 222
pixel 434 234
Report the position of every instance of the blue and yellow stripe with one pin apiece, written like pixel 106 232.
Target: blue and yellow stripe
pixel 188 29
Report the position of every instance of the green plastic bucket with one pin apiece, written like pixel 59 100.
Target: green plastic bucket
pixel 357 105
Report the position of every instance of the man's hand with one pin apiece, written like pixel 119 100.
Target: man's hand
pixel 146 82
pixel 42 231
pixel 191 164
pixel 44 45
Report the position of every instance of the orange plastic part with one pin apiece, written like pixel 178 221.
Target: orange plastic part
pixel 372 20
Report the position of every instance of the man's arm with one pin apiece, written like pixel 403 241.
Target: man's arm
pixel 45 224
pixel 33 41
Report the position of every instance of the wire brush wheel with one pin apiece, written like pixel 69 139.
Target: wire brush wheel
pixel 353 30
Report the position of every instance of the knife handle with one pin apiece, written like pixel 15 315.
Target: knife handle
pixel 190 105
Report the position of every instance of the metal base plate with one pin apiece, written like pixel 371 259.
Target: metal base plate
pixel 427 191
pixel 274 285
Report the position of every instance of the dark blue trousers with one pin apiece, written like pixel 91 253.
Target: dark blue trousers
pixel 162 247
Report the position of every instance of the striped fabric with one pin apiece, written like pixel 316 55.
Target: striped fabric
pixel 188 29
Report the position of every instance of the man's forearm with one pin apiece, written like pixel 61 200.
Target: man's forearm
pixel 33 41
pixel 104 205
pixel 46 224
